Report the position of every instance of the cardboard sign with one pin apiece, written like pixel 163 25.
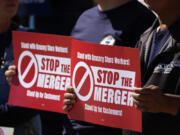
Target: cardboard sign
pixel 103 78
pixel 43 64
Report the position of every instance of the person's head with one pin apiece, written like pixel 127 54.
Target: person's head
pixel 98 1
pixel 8 8
pixel 110 4
pixel 161 6
pixel 167 10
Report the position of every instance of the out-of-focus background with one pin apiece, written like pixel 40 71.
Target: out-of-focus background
pixel 51 16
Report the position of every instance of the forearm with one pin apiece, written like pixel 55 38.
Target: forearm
pixel 171 104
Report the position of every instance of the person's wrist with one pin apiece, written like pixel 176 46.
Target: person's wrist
pixel 164 104
pixel 170 106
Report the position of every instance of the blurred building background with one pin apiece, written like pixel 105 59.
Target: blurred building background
pixel 51 16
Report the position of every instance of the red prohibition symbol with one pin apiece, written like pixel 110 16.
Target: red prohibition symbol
pixel 78 87
pixel 27 69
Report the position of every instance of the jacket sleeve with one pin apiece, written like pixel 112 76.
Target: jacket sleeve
pixel 4 92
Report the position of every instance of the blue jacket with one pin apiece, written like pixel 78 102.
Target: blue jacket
pixel 9 116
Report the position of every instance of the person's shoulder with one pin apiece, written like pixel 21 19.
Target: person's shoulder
pixel 89 12
pixel 138 11
pixel 146 34
pixel 143 16
pixel 87 16
pixel 142 10
pixel 175 30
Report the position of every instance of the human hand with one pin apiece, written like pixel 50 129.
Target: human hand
pixel 10 73
pixel 69 99
pixel 149 99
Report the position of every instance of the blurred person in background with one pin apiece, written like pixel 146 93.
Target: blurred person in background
pixel 62 18
pixel 25 121
pixel 159 97
pixel 111 22
pixel 122 20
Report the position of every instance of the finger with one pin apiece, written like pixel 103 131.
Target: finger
pixel 69 101
pixel 69 96
pixel 139 103
pixel 70 89
pixel 140 97
pixel 12 67
pixel 151 89
pixel 142 90
pixel 10 73
pixel 139 90
pixel 155 89
pixel 141 108
pixel 67 108
pixel 9 80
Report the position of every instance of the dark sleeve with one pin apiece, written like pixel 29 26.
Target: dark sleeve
pixel 11 115
pixel 178 113
pixel 147 19
pixel 15 116
pixel 137 44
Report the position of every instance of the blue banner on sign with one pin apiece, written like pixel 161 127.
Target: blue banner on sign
pixel 33 7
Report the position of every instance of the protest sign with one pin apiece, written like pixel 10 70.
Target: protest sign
pixel 43 65
pixel 103 78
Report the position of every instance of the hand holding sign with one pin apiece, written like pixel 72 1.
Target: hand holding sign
pixel 69 99
pixel 10 73
pixel 103 78
pixel 149 99
pixel 103 82
pixel 43 63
